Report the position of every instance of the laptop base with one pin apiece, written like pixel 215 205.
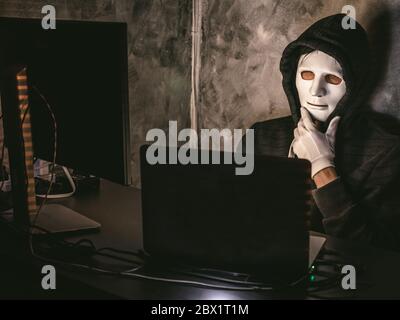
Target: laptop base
pixel 57 219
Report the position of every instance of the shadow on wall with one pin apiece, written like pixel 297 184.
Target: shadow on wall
pixel 384 87
pixel 242 45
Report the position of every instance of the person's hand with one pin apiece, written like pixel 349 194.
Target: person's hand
pixel 311 144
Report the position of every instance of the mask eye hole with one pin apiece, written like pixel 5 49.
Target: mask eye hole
pixel 307 75
pixel 332 79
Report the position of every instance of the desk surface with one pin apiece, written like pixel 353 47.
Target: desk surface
pixel 118 209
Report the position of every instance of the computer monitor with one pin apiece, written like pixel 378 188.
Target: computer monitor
pixel 81 69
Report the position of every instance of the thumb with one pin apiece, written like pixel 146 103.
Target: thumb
pixel 331 131
pixel 307 120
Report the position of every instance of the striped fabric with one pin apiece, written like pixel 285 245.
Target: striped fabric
pixel 22 86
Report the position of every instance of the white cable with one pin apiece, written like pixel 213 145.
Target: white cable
pixel 128 273
pixel 195 283
pixel 142 276
pixel 62 195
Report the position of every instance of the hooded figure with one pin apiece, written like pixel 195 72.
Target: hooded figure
pixel 361 201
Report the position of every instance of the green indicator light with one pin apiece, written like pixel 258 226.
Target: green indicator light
pixel 312 278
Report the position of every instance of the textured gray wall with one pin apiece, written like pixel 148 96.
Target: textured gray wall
pixel 159 42
pixel 242 45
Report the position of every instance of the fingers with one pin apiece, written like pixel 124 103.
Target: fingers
pixel 296 133
pixel 301 128
pixel 307 120
pixel 298 149
pixel 331 131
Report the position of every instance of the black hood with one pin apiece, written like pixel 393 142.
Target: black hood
pixel 349 47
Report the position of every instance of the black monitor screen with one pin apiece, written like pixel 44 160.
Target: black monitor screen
pixel 80 68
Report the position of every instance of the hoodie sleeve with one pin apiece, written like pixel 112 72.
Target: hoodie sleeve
pixel 373 218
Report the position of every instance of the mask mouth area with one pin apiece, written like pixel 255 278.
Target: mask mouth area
pixel 318 105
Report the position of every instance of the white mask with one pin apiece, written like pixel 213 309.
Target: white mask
pixel 319 83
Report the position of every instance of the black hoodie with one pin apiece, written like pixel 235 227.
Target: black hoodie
pixel 364 202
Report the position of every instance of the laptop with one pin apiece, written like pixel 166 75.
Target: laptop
pixel 205 215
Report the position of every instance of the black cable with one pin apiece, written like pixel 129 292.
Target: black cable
pixel 316 286
pixel 90 242
pixel 243 285
pixel 61 243
pixel 114 257
pixel 33 225
pixel 136 254
pixel 326 283
pixel 54 153
pixel 53 170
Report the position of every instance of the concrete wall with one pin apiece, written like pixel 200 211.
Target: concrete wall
pixel 159 42
pixel 243 42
